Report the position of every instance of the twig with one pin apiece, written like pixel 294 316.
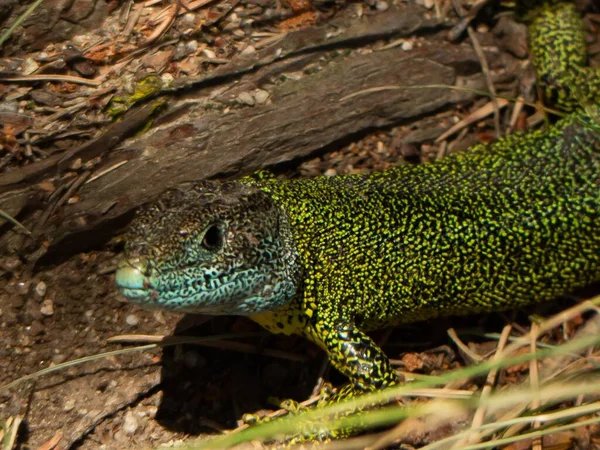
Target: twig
pixel 203 341
pixel 490 381
pixel 535 383
pixel 36 78
pixel 164 26
pixel 224 14
pixel 515 114
pixel 488 78
pixel 474 357
pixel 473 117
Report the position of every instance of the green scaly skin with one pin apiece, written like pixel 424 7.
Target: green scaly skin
pixel 498 226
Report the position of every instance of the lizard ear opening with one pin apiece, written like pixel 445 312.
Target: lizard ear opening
pixel 213 238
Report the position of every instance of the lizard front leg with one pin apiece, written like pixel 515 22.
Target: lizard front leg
pixel 355 355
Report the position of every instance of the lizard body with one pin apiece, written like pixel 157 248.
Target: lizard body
pixel 498 226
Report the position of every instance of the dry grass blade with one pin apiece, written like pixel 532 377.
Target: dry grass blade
pixel 64 78
pixel 15 222
pixel 479 416
pixel 9 431
pixel 209 341
pixel 19 21
pixel 488 79
pixel 475 116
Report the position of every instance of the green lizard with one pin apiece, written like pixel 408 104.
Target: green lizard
pixel 331 258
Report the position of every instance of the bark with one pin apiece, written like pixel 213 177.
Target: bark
pixel 205 130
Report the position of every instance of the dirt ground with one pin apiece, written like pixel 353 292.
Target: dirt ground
pixel 66 306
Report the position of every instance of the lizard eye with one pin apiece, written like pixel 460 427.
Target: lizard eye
pixel 213 238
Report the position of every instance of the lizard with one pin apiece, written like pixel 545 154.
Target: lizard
pixel 498 226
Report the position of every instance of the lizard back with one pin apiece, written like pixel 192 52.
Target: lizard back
pixel 498 226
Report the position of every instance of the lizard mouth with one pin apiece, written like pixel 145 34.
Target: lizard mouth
pixel 211 295
pixel 133 283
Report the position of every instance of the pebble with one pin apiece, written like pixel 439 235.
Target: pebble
pixel 11 263
pixel 189 18
pixel 232 26
pixel 130 423
pixel 192 359
pixel 270 13
pixel 261 96
pixel 69 404
pixel 59 359
pixel 246 98
pixel 47 308
pixel 382 5
pixel 41 289
pixel 76 164
pixel 23 287
pixel 238 34
pixel 407 46
pixel 248 50
pixel 132 320
pixel 180 51
pixel 209 53
pixel 36 328
pixel 192 46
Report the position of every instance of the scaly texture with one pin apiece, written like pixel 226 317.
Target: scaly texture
pixel 495 227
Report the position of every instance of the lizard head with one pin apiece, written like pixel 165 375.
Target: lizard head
pixel 214 248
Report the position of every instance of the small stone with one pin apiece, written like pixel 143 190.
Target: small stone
pixel 407 46
pixel 130 423
pixel 193 359
pixel 11 263
pixel 246 98
pixel 47 308
pixel 36 328
pixel 192 46
pixel 180 51
pixel 231 26
pixel 132 320
pixel 69 404
pixel 76 164
pixel 261 96
pixel 248 50
pixel 189 18
pixel 41 289
pixel 23 287
pixel 330 172
pixel 382 5
pixel 59 358
pixel 209 53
